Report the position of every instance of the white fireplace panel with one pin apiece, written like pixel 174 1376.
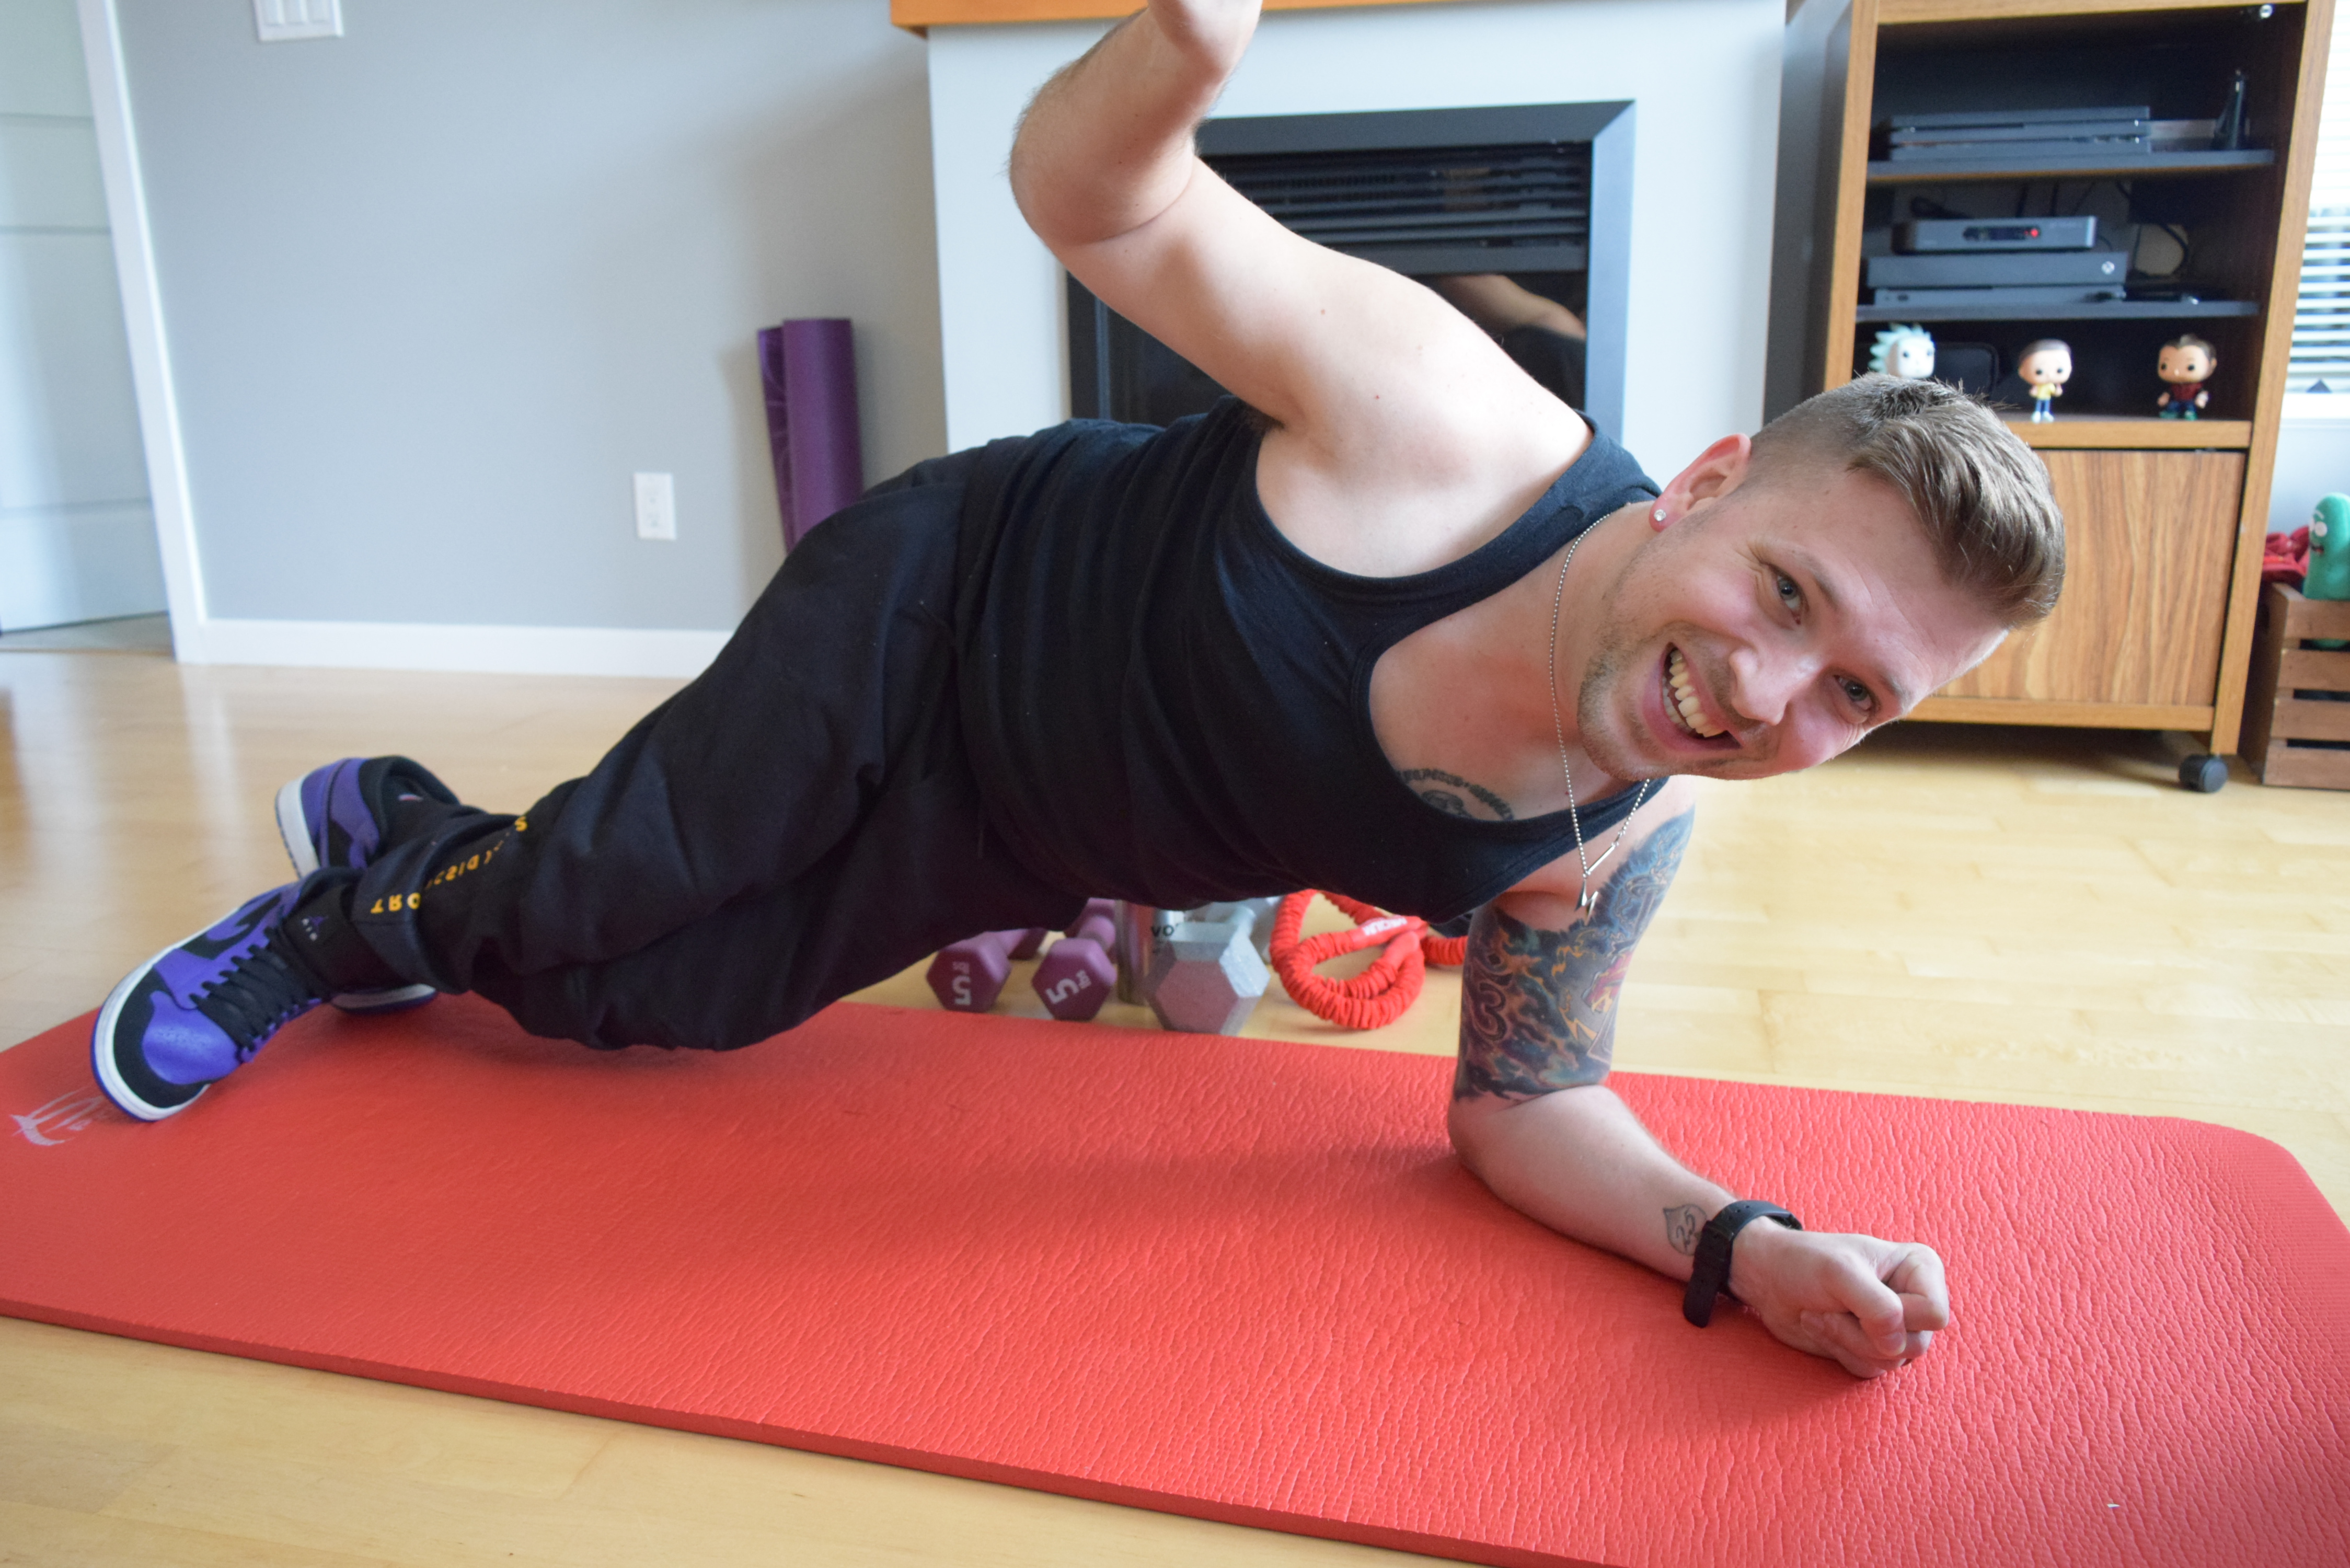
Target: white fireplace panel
pixel 1704 75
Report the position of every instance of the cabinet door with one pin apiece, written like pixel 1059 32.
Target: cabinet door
pixel 2148 539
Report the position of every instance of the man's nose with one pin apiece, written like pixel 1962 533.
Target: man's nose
pixel 1763 684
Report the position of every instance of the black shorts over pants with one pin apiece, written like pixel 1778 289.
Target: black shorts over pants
pixel 799 822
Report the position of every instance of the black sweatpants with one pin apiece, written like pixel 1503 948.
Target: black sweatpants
pixel 797 823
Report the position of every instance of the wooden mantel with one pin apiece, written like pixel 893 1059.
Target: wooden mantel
pixel 916 15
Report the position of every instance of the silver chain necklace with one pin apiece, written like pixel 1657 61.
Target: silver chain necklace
pixel 1585 898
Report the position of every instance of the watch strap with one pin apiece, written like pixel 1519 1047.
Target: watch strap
pixel 1710 1271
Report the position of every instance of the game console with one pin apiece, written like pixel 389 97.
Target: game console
pixel 1985 269
pixel 1976 135
pixel 2022 300
pixel 1927 236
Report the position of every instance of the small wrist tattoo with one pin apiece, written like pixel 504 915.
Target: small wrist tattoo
pixel 1683 1226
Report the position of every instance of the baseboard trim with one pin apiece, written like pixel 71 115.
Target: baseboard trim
pixel 482 649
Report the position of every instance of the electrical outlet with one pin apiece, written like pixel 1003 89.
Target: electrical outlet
pixel 283 21
pixel 656 506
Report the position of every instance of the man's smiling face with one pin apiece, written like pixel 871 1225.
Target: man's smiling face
pixel 1769 626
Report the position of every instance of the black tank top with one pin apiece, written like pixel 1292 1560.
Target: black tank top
pixel 1165 700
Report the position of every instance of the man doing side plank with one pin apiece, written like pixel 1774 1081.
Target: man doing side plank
pixel 1391 621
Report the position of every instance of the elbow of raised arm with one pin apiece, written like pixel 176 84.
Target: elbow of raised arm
pixel 1106 145
pixel 1035 187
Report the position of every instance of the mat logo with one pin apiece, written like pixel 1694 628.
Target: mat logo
pixel 61 1117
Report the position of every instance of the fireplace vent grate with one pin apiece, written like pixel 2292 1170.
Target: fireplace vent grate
pixel 1519 207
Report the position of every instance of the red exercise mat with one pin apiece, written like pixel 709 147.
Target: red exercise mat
pixel 1239 1279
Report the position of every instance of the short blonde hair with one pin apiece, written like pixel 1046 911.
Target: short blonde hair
pixel 1980 493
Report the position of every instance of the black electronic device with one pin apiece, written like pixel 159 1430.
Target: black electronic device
pixel 1975 135
pixel 1987 269
pixel 2035 131
pixel 1992 118
pixel 1927 236
pixel 2022 300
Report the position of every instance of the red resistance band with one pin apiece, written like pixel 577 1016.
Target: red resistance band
pixel 1381 993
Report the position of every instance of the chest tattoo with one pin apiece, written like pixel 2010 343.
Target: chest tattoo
pixel 1450 794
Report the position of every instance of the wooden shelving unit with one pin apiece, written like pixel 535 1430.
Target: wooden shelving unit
pixel 2124 433
pixel 2164 518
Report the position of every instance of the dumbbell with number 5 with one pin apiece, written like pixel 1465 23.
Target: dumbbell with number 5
pixel 1077 973
pixel 968 976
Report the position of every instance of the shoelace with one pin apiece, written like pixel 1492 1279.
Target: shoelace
pixel 254 998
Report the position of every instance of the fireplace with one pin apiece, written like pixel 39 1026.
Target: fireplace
pixel 1536 194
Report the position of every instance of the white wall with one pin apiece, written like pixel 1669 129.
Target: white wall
pixel 2312 460
pixel 76 532
pixel 433 290
pixel 1704 75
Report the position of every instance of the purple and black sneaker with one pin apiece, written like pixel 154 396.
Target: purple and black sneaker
pixel 333 817
pixel 197 1011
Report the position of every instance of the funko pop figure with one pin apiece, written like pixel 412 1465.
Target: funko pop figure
pixel 2185 364
pixel 2045 365
pixel 1904 351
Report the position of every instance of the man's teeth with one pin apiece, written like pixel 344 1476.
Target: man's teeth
pixel 1689 710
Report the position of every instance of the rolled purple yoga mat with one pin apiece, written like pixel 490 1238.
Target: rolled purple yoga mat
pixel 809 369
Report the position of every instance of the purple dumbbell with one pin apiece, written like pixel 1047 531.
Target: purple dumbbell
pixel 1079 974
pixel 968 976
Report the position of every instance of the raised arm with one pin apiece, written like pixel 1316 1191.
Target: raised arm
pixel 1531 1116
pixel 1383 393
pixel 1106 146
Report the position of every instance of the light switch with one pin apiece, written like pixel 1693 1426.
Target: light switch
pixel 283 21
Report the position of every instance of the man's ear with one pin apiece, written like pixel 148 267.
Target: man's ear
pixel 1719 470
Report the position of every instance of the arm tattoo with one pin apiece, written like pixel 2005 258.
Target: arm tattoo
pixel 1446 801
pixel 1681 1228
pixel 1538 1007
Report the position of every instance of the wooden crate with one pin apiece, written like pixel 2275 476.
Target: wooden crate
pixel 2274 716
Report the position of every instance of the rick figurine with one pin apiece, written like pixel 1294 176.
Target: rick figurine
pixel 1904 351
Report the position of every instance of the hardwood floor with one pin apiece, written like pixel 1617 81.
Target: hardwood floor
pixel 2039 917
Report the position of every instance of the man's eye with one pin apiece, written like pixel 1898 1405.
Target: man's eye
pixel 1859 696
pixel 1789 594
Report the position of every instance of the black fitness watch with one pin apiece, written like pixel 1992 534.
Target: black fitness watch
pixel 1710 1276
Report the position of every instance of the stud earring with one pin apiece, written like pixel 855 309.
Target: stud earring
pixel 1658 514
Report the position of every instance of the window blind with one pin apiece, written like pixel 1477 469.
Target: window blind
pixel 2321 318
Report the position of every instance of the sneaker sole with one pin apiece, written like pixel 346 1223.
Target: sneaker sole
pixel 391 999
pixel 101 1052
pixel 294 832
pixel 294 827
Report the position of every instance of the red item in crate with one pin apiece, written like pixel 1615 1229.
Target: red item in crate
pixel 2286 557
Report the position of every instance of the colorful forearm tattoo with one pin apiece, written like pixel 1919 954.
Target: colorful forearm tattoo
pixel 1538 1007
